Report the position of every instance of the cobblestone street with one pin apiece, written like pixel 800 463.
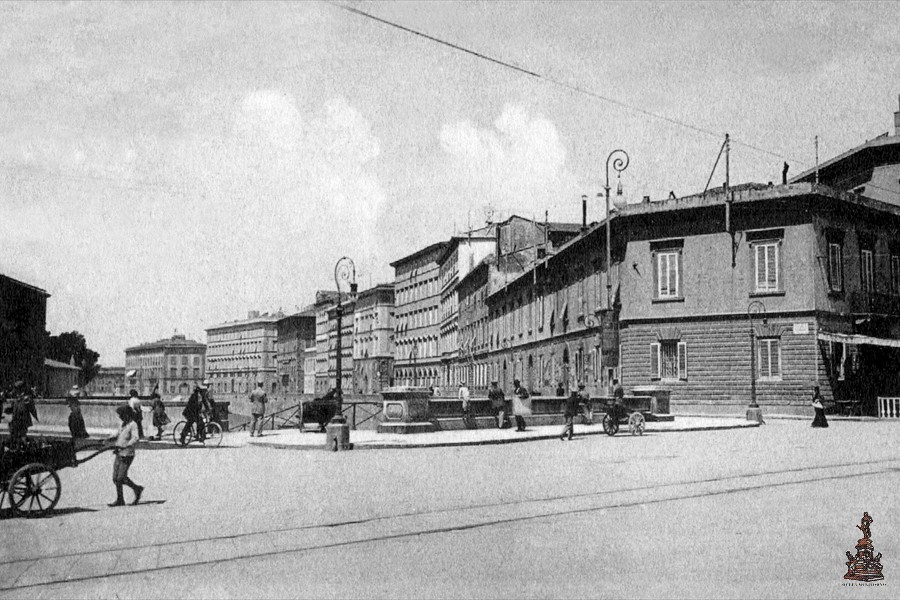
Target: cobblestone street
pixel 710 514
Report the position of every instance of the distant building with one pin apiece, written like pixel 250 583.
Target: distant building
pixel 175 365
pixel 296 333
pixel 109 381
pixel 241 353
pixel 325 300
pixel 373 333
pixel 59 377
pixel 309 370
pixel 23 332
pixel 417 323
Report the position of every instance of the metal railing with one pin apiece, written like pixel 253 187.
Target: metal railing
pixel 277 420
pixel 888 408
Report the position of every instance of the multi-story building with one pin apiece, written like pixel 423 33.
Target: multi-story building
pixel 348 306
pixel 539 314
pixel 417 295
pixel 325 300
pixel 241 354
pixel 460 256
pixel 175 364
pixel 23 332
pixel 373 334
pixel 109 381
pixel 309 370
pixel 520 244
pixel 296 333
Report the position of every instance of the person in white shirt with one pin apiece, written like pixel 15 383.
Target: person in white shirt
pixel 125 441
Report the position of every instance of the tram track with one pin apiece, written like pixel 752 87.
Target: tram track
pixel 210 550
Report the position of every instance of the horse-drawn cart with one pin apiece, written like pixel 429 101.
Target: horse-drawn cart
pixel 28 477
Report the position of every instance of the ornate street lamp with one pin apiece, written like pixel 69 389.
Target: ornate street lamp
pixel 344 270
pixel 619 160
pixel 754 412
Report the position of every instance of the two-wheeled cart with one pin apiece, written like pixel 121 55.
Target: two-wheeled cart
pixel 28 472
pixel 617 415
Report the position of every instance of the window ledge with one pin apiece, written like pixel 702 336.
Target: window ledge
pixel 665 300
pixel 767 294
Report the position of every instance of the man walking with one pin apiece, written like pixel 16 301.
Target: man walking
pixel 498 403
pixel 571 409
pixel 125 441
pixel 258 401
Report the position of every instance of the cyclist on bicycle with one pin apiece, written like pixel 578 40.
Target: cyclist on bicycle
pixel 193 414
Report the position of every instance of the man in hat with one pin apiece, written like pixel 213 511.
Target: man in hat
pixel 258 401
pixel 134 403
pixel 193 415
pixel 209 404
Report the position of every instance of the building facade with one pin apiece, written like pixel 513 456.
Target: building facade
pixel 373 339
pixel 23 332
pixel 109 381
pixel 241 354
pixel 59 377
pixel 325 300
pixel 417 330
pixel 175 365
pixel 296 334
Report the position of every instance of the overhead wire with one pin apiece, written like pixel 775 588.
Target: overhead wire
pixel 557 82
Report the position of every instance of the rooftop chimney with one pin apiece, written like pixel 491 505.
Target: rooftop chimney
pixel 897 121
pixel 646 200
pixel 784 173
pixel 583 212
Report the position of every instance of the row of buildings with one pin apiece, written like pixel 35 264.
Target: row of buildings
pixel 756 289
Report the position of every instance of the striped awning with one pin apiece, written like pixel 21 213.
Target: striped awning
pixel 858 339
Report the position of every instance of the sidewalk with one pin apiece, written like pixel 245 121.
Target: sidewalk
pixel 371 440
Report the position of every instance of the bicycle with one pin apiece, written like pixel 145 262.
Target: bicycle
pixel 212 431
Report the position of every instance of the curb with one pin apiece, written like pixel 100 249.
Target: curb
pixel 488 442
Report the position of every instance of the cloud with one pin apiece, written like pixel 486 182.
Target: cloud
pixel 516 166
pixel 187 231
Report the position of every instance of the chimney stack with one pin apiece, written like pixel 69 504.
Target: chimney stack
pixel 784 172
pixel 897 121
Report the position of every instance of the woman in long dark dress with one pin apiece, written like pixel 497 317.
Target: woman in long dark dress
pixel 76 419
pixel 819 420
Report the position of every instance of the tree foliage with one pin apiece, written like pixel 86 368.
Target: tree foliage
pixel 71 344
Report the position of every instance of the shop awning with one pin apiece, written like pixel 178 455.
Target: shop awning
pixel 858 339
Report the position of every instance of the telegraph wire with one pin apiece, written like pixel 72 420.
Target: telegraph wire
pixel 557 82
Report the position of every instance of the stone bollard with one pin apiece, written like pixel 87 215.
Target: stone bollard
pixel 337 437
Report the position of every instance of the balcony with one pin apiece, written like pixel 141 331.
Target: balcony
pixel 874 303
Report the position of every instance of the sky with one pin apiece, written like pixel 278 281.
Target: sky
pixel 169 167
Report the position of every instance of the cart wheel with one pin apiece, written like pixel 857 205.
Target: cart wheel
pixel 610 426
pixel 636 424
pixel 176 434
pixel 34 490
pixel 213 434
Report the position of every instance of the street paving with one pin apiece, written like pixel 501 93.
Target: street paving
pixel 767 511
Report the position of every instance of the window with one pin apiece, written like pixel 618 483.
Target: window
pixel 668 360
pixel 836 266
pixel 867 271
pixel 666 261
pixel 769 358
pixel 766 266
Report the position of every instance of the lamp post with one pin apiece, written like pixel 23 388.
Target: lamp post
pixel 344 270
pixel 754 412
pixel 619 160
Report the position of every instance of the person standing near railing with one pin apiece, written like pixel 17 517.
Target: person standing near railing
pixel 258 401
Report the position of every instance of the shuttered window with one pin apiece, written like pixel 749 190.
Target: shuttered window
pixel 667 275
pixel 769 358
pixel 835 266
pixel 867 274
pixel 767 267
